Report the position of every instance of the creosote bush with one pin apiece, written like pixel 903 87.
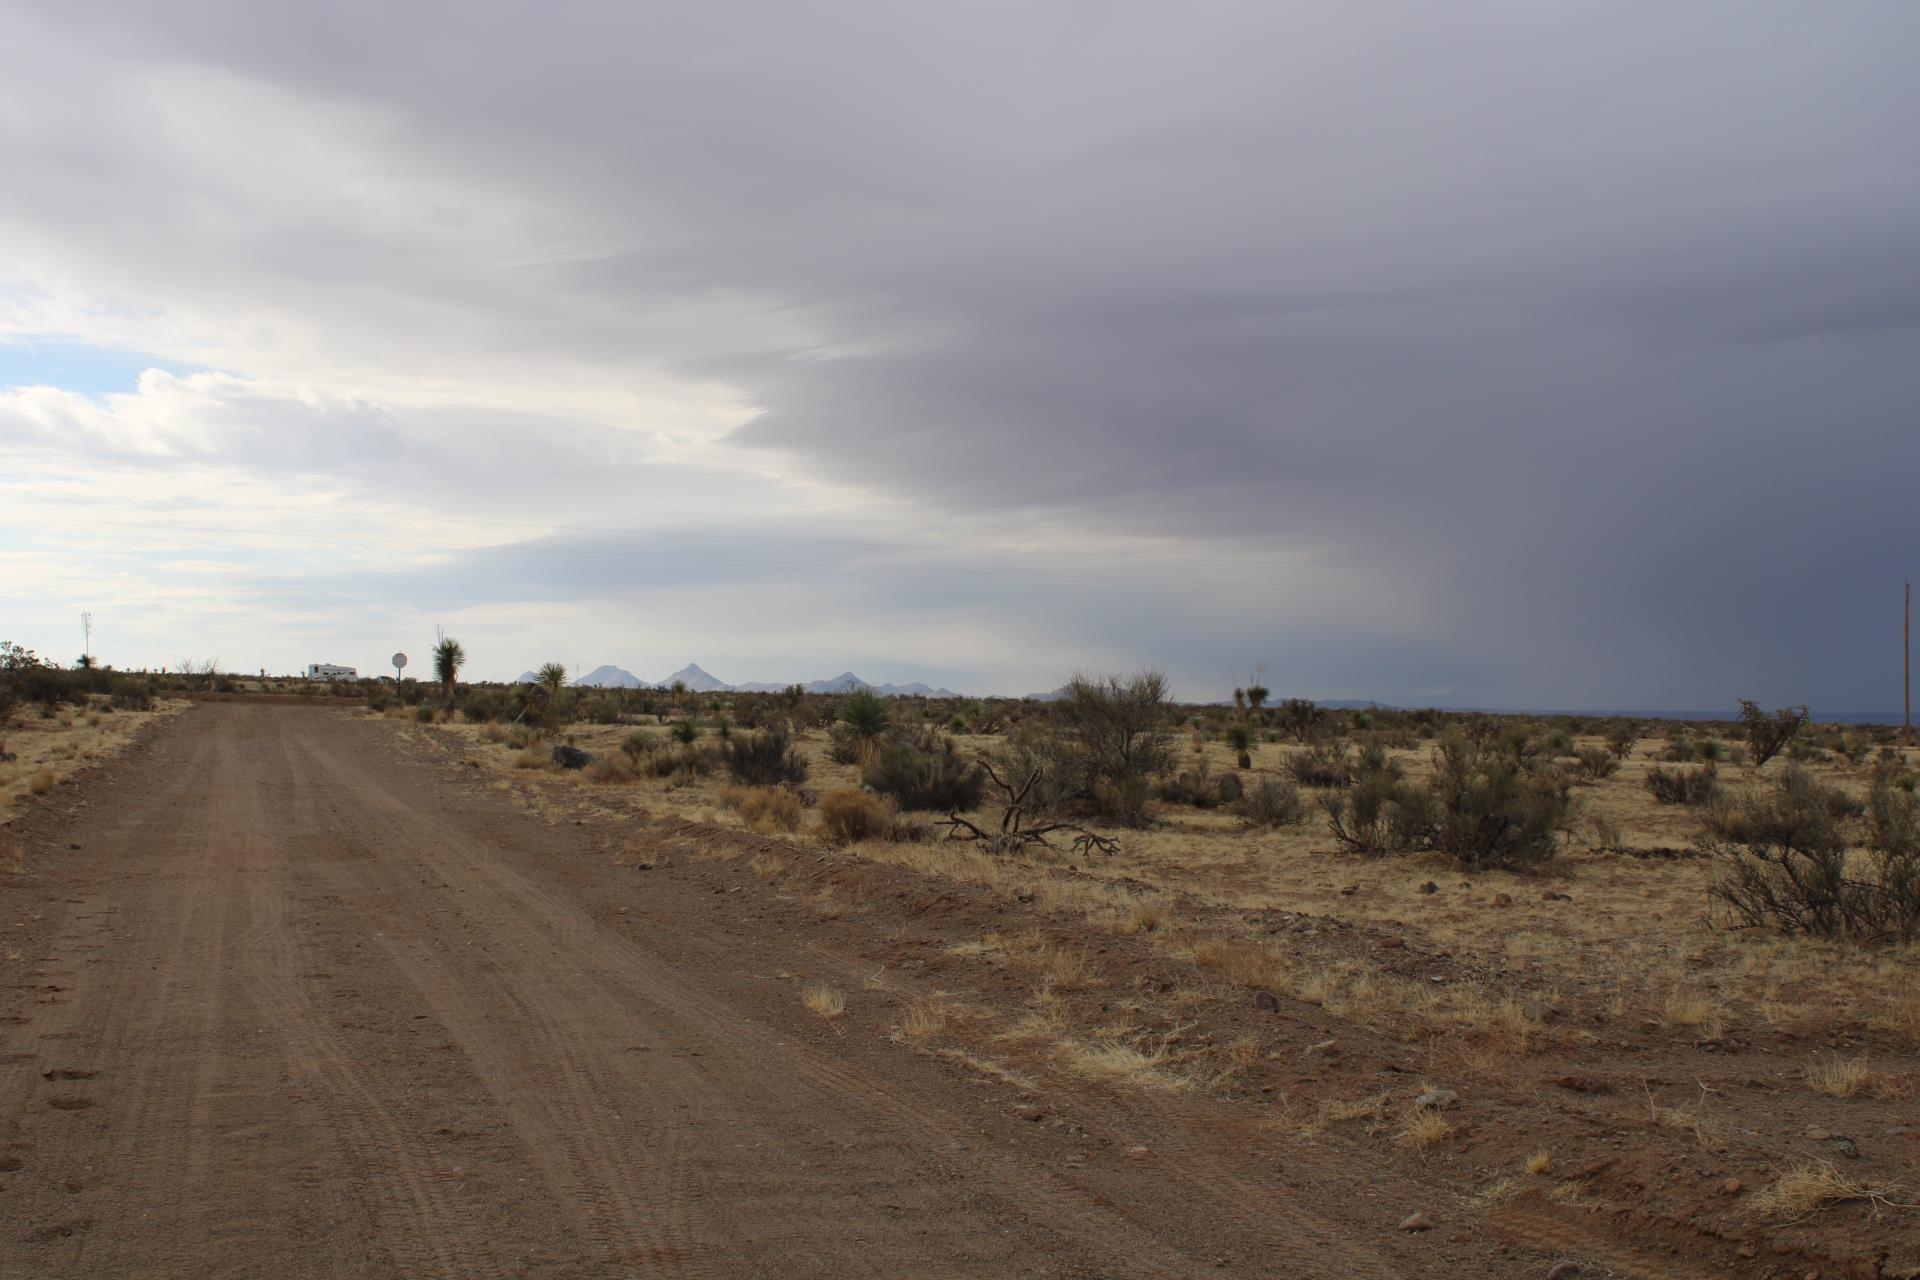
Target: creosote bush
pixel 932 779
pixel 763 759
pixel 1691 787
pixel 1482 808
pixel 1767 734
pixel 1101 744
pixel 1272 803
pixel 1797 860
pixel 1596 763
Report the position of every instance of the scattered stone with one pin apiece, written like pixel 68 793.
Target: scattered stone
pixel 1389 944
pixel 1348 890
pixel 1731 1186
pixel 1138 1153
pixel 1551 896
pixel 1325 1046
pixel 1032 1115
pixel 1817 1134
pixel 1561 1270
pixel 1429 887
pixel 1416 1222
pixel 1436 1099
pixel 1266 1000
pixel 1746 1251
pixel 1502 900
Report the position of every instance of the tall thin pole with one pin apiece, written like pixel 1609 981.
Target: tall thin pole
pixel 1906 663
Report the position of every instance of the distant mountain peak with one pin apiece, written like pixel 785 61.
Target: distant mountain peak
pixel 697 679
pixel 611 677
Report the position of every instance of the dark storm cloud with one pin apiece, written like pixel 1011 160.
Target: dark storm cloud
pixel 1591 331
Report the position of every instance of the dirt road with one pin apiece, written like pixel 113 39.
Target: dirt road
pixel 290 1002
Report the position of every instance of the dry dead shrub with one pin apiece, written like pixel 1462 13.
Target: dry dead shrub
pixel 1053 964
pixel 41 781
pixel 848 817
pixel 612 769
pixel 765 809
pixel 532 758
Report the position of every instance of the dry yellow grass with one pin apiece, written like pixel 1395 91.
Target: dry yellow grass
pixel 1423 1128
pixel 823 1000
pixel 1839 1077
pixel 48 752
pixel 1669 965
pixel 1539 1162
pixel 1806 1186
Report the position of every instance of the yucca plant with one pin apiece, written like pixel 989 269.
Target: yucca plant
pixel 448 657
pixel 866 718
pixel 1239 739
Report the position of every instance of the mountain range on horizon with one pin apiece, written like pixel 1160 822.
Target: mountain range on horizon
pixel 698 679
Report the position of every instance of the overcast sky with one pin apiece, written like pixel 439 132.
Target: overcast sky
pixel 1506 354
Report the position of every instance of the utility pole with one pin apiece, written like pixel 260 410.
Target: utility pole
pixel 1906 663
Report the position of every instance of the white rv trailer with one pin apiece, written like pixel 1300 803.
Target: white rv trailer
pixel 327 671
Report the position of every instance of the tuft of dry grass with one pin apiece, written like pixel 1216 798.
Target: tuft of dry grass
pixel 40 781
pixel 1053 964
pixel 1806 1186
pixel 1333 1111
pixel 1116 1062
pixel 1690 1011
pixel 532 758
pixel 1145 916
pixel 925 1018
pixel 1539 1162
pixel 1839 1077
pixel 824 1000
pixel 1423 1128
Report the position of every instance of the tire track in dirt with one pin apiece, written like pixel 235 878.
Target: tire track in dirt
pixel 1286 1236
pixel 630 985
pixel 351 1019
pixel 134 1027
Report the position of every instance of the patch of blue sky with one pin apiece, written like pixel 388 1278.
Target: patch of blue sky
pixel 77 367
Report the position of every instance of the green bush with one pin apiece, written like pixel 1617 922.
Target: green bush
pixel 917 778
pixel 1691 787
pixel 1489 812
pixel 763 759
pixel 1797 859
pixel 1596 763
pixel 1272 803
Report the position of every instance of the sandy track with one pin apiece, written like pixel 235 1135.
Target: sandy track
pixel 298 1006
